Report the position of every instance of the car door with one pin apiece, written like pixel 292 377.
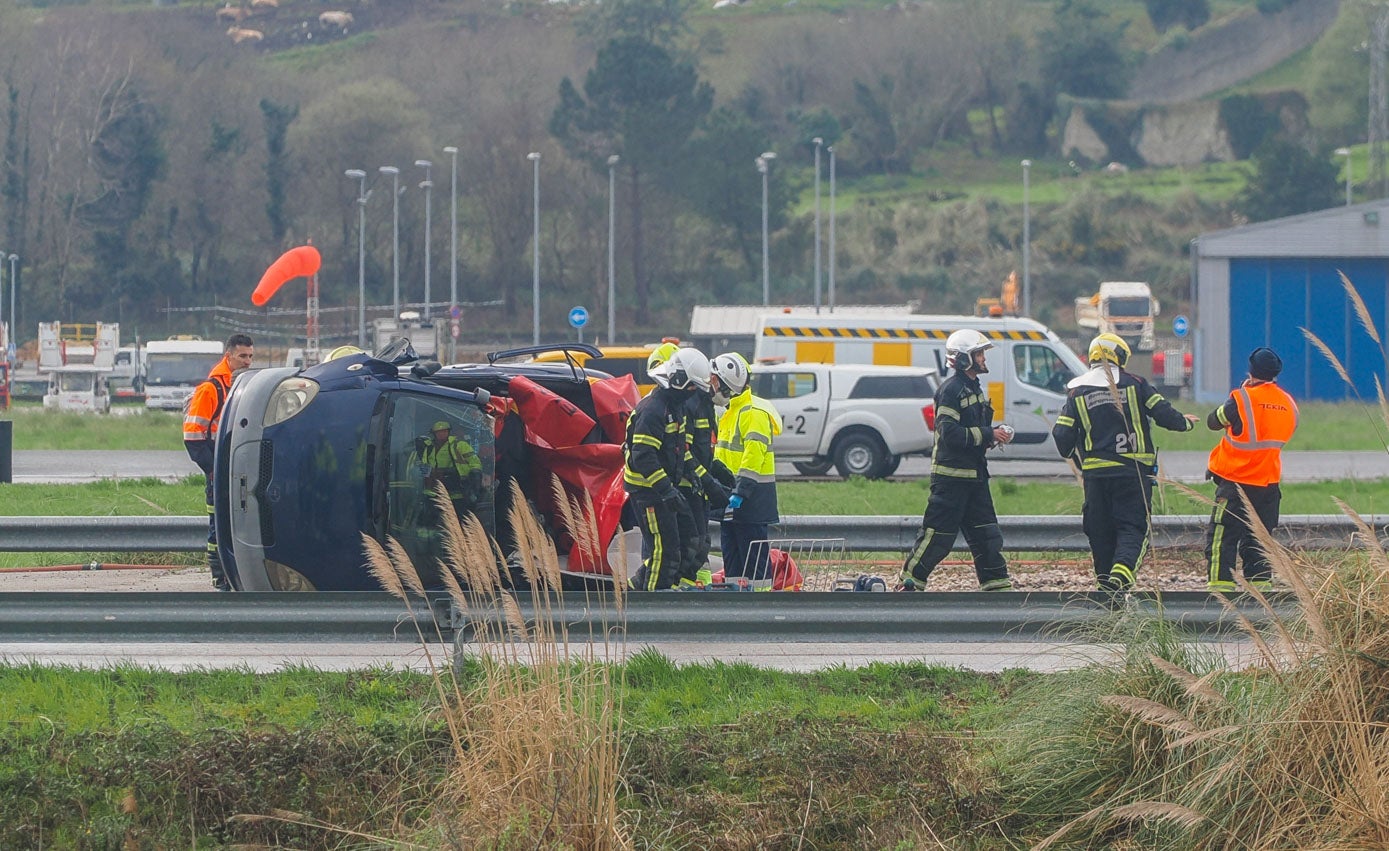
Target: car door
pixel 1036 392
pixel 801 396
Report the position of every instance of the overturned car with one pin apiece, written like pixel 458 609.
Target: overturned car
pixel 308 461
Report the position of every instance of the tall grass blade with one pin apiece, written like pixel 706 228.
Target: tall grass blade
pixel 1361 311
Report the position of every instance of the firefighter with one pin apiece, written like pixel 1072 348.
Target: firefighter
pixel 1258 419
pixel 655 453
pixel 200 421
pixel 451 461
pixel 960 499
pixel 746 429
pixel 1106 428
pixel 704 482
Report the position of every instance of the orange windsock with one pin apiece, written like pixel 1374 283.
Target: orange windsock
pixel 296 262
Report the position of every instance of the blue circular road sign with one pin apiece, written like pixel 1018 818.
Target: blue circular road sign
pixel 578 317
pixel 1180 326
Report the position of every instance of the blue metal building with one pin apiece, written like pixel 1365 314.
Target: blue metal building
pixel 1263 284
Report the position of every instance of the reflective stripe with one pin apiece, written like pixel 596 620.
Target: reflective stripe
pixel 1220 416
pixel 956 472
pixel 647 440
pixel 947 413
pixel 1124 571
pixel 1136 424
pixel 977 434
pixel 1083 411
pixel 756 477
pixel 653 572
pixel 1065 421
pixel 634 478
pixel 1217 543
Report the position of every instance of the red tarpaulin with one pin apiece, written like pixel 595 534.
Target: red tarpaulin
pixel 614 399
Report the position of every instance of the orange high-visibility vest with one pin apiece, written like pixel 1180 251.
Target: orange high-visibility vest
pixel 1254 457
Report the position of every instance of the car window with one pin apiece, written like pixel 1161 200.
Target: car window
pixel 894 387
pixel 411 513
pixel 1039 366
pixel 783 385
pixel 635 367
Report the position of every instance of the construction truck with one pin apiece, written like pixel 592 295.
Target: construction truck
pixel 78 360
pixel 1007 302
pixel 1126 308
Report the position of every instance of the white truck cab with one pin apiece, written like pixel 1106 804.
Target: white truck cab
pixel 859 418
pixel 1028 365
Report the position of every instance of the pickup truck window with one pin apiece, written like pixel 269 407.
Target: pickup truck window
pixel 783 385
pixel 1039 366
pixel 894 387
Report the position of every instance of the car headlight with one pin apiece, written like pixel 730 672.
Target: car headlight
pixel 291 397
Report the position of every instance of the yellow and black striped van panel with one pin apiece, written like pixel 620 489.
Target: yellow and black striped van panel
pixel 888 333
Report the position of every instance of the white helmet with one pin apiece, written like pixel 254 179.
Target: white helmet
pixel 961 347
pixel 734 374
pixel 686 369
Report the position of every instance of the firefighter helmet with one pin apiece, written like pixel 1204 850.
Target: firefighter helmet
pixel 661 354
pixel 961 347
pixel 686 369
pixel 734 374
pixel 1111 348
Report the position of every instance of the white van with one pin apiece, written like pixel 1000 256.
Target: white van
pixel 1028 366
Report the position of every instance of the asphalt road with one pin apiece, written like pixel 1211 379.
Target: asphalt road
pixel 70 466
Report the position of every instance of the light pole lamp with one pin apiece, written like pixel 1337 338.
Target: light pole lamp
pixel 1026 243
pixel 1345 152
pixel 534 157
pixel 819 142
pixel 428 186
pixel 394 174
pixel 359 175
pixel 831 255
pixel 453 250
pixel 612 267
pixel 764 165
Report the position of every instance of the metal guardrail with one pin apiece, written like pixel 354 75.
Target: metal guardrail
pixel 1049 533
pixel 711 616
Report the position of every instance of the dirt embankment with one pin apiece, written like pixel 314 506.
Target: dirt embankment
pixel 1235 49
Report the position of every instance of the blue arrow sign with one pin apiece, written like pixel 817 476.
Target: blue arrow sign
pixel 1180 326
pixel 578 317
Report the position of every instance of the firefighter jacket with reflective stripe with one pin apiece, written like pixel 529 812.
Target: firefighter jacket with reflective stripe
pixel 1106 423
pixel 700 433
pixel 964 429
pixel 655 446
pixel 1252 453
pixel 451 462
pixel 746 430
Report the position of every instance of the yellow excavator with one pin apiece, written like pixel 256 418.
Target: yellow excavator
pixel 1007 302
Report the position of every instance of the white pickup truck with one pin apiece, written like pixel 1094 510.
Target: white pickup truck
pixel 859 418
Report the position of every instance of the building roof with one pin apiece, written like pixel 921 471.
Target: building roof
pixel 741 320
pixel 1358 230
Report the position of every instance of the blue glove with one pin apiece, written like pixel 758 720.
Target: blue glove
pixel 735 502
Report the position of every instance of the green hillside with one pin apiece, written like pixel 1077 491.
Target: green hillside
pixel 155 159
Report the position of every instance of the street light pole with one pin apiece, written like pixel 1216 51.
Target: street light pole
pixel 819 142
pixel 428 186
pixel 534 157
pixel 361 176
pixel 1345 152
pixel 764 164
pixel 612 267
pixel 394 174
pixel 14 317
pixel 1026 243
pixel 453 251
pixel 831 257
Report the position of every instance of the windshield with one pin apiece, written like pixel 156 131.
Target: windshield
pixel 1129 306
pixel 170 370
pixel 75 382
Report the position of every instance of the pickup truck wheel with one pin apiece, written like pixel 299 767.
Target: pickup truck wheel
pixel 860 454
pixel 893 462
pixel 812 468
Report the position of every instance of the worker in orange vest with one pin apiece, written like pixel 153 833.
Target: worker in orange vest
pixel 200 419
pixel 1258 419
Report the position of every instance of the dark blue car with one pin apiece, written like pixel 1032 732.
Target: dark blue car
pixel 311 460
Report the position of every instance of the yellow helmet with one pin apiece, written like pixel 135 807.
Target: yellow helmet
pixel 661 355
pixel 1110 347
pixel 343 351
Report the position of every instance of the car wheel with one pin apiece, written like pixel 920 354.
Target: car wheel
pixel 813 468
pixel 860 454
pixel 893 462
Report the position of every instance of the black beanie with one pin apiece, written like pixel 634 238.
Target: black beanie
pixel 1264 364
